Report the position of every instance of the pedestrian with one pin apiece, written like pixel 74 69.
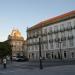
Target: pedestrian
pixel 4 62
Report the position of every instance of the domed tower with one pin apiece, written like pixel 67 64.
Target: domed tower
pixel 16 42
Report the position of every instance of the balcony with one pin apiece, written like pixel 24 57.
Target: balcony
pixel 69 28
pixel 63 38
pixel 44 34
pixel 70 37
pixel 50 32
pixel 51 40
pixel 57 39
pixel 35 36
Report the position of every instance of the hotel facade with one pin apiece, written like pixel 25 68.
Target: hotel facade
pixel 57 38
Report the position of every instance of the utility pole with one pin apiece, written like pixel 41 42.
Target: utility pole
pixel 40 56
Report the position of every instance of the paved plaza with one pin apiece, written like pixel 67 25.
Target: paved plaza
pixel 23 68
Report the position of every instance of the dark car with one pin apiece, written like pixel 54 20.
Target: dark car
pixel 21 58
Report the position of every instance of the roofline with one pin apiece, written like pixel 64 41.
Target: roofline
pixel 53 20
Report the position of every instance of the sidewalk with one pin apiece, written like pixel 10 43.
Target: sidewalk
pixel 19 68
pixel 58 70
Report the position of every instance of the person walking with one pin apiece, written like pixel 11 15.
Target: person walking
pixel 4 62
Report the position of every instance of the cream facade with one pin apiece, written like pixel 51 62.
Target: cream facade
pixel 57 38
pixel 16 41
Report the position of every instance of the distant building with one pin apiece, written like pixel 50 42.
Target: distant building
pixel 57 38
pixel 16 41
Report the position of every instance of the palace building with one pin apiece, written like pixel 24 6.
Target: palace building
pixel 16 41
pixel 57 38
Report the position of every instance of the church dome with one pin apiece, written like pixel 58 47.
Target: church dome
pixel 15 33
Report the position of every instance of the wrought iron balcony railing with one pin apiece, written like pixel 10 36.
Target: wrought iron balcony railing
pixel 70 37
pixel 57 39
pixel 63 38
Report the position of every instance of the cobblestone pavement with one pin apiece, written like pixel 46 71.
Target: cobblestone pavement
pixel 25 68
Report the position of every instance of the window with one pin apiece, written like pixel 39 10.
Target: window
pixel 51 45
pixel 62 28
pixel 33 55
pixel 64 43
pixel 45 31
pixel 71 43
pixel 69 27
pixel 50 29
pixel 57 45
pixel 70 33
pixel 72 54
pixel 55 29
pixel 69 24
pixel 62 34
pixel 46 45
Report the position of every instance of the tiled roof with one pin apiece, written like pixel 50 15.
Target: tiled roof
pixel 53 20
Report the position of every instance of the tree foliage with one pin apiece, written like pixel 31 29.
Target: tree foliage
pixel 5 49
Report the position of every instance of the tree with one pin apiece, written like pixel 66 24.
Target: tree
pixel 5 49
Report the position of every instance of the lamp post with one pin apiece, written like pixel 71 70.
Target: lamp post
pixel 60 49
pixel 40 56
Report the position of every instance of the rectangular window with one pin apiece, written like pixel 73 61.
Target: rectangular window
pixel 69 26
pixel 50 29
pixel 57 45
pixel 51 45
pixel 45 31
pixel 71 43
pixel 64 43
pixel 56 29
pixel 72 54
pixel 70 33
pixel 62 28
pixel 46 46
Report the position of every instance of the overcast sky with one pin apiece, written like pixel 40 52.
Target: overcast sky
pixel 26 13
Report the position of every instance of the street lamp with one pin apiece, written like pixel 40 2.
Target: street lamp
pixel 40 56
pixel 60 49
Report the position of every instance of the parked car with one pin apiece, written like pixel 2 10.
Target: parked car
pixel 21 58
pixel 14 58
